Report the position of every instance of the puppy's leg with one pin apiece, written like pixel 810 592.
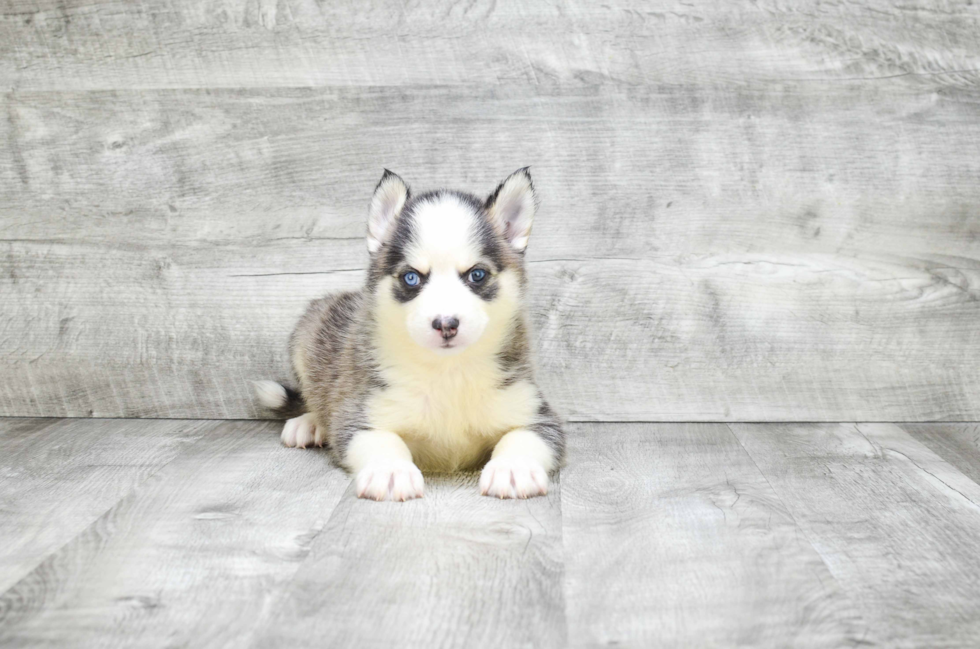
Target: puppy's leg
pixel 519 466
pixel 382 464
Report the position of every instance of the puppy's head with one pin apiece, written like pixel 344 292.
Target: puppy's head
pixel 446 267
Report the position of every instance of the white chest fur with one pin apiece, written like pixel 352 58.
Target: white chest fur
pixel 450 413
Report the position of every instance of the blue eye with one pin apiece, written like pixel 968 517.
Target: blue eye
pixel 412 278
pixel 477 275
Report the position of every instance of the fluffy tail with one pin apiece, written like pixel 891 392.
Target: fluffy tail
pixel 285 402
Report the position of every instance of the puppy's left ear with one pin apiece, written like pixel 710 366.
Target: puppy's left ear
pixel 511 208
pixel 389 198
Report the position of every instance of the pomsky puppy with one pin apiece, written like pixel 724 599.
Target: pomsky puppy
pixel 428 366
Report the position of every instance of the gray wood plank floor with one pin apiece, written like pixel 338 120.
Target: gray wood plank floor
pixel 202 533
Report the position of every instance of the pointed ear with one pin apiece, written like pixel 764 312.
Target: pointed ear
pixel 511 208
pixel 389 198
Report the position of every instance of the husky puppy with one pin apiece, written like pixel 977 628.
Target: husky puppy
pixel 428 366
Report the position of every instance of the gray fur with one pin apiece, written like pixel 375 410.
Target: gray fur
pixel 334 364
pixel 548 427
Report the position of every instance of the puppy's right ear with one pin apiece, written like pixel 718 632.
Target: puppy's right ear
pixel 389 198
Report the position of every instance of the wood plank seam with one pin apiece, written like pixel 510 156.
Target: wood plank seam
pixel 196 427
pixel 29 597
pixel 789 511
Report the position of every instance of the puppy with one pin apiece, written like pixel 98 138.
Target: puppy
pixel 428 366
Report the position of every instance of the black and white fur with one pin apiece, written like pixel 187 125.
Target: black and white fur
pixel 428 366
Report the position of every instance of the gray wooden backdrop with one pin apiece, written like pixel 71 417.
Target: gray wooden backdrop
pixel 763 210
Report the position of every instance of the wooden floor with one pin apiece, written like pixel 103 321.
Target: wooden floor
pixel 155 533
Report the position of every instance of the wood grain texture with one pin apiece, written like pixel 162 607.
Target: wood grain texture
pixel 194 556
pixel 803 535
pixel 58 476
pixel 674 538
pixel 452 569
pixel 783 252
pixel 958 444
pixel 51 45
pixel 896 524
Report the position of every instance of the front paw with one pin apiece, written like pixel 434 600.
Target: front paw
pixel 390 480
pixel 301 432
pixel 514 477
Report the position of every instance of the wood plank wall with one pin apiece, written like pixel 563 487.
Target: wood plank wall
pixel 752 211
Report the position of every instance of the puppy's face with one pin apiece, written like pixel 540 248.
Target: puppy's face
pixel 447 267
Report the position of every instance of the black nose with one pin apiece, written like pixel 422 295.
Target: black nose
pixel 447 326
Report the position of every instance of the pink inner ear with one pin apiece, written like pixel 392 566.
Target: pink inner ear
pixel 510 219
